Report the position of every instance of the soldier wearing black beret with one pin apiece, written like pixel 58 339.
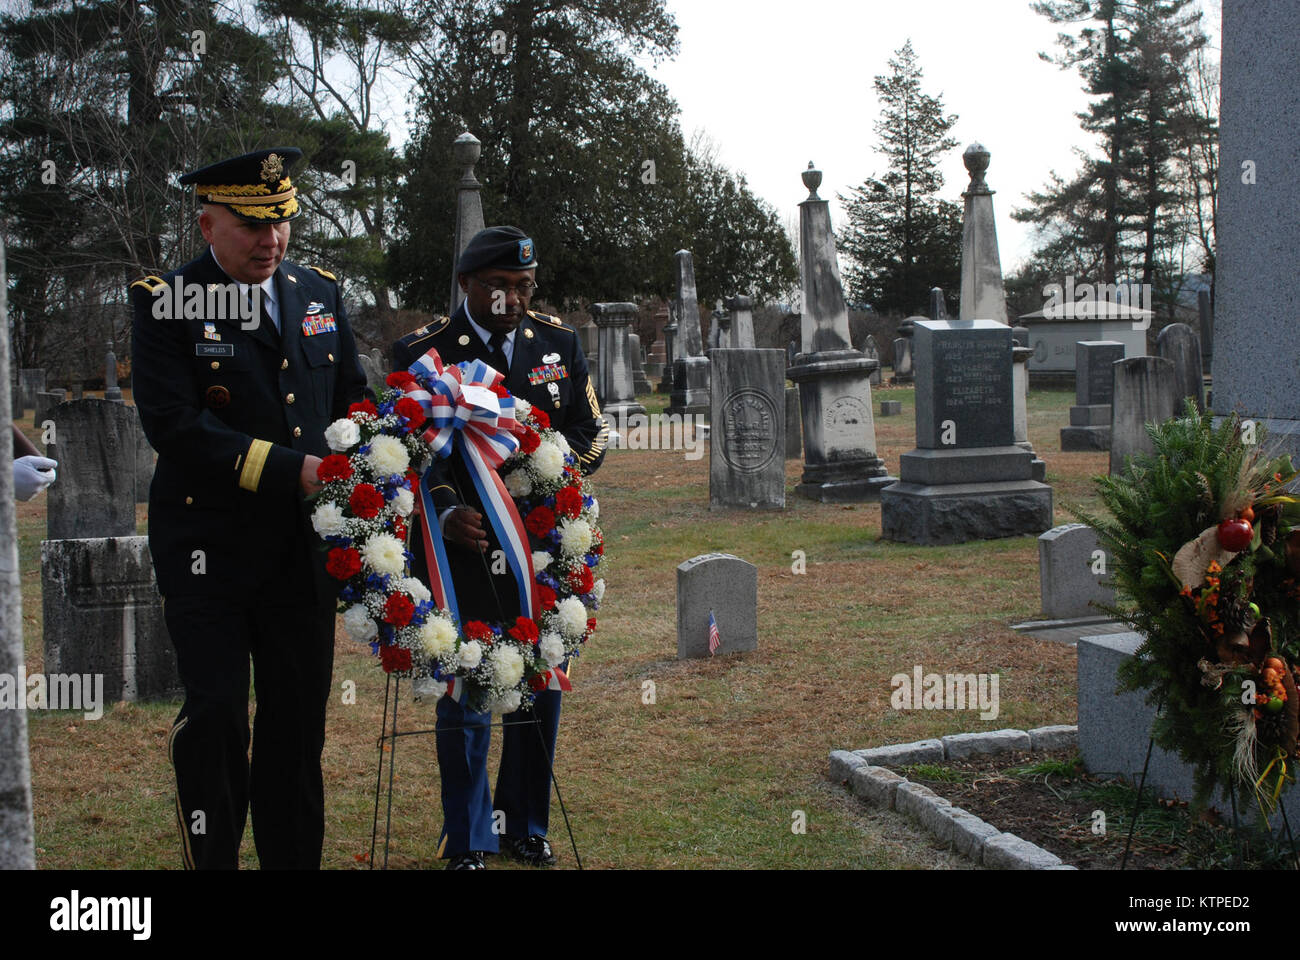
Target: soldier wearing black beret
pixel 241 360
pixel 543 363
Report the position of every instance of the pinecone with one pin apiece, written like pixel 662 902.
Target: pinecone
pixel 1271 727
pixel 1236 616
pixel 1268 530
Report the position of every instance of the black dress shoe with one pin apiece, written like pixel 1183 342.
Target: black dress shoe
pixel 473 860
pixel 534 851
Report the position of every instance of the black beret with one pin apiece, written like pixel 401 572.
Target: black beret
pixel 498 248
pixel 254 187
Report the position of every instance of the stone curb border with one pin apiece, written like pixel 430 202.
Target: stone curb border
pixel 870 779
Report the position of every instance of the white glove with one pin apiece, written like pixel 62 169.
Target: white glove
pixel 32 475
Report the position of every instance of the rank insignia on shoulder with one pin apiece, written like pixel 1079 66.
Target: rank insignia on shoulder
pixel 150 283
pixel 311 326
pixel 210 332
pixel 324 273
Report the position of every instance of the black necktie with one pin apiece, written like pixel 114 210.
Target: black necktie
pixel 496 343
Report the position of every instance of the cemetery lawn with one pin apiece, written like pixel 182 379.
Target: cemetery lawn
pixel 661 764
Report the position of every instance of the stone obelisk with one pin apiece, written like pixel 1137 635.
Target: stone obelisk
pixel 690 394
pixel 465 149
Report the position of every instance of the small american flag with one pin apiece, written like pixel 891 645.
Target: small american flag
pixel 715 641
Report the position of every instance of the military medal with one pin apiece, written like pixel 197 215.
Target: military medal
pixel 217 397
pixel 324 323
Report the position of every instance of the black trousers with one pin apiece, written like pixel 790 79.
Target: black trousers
pixel 290 639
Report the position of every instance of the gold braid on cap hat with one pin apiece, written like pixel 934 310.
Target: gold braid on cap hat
pixel 240 195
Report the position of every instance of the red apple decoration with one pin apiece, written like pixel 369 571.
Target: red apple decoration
pixel 1235 535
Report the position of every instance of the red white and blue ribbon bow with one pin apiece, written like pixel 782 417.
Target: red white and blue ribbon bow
pixel 466 401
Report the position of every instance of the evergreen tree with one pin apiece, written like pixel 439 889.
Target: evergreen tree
pixel 900 238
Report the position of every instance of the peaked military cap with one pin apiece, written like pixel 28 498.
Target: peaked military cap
pixel 498 248
pixel 254 187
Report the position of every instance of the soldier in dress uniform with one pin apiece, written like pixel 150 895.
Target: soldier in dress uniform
pixel 543 363
pixel 241 360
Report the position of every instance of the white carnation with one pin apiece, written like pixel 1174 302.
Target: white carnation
pixel 595 508
pixel 437 637
pixel 383 553
pixel 507 704
pixel 548 461
pixel 575 537
pixel 507 664
pixel 328 519
pixel 573 617
pixel 598 591
pixel 562 442
pixel 388 456
pixel 342 435
pixel 415 588
pixel 541 560
pixel 522 409
pixel 404 502
pixel 518 484
pixel 552 649
pixel 470 654
pixel 358 624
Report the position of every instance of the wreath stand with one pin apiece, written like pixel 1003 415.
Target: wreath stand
pixel 389 736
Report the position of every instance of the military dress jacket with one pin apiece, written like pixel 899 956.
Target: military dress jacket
pixel 548 370
pixel 232 412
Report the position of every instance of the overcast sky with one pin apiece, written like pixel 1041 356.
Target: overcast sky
pixel 777 83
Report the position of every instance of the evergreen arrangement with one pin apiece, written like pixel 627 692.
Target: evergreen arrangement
pixel 1203 544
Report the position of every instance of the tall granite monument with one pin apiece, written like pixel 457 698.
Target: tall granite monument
pixel 465 150
pixel 691 368
pixel 982 295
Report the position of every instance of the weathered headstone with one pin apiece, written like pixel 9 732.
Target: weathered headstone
pixel 112 392
pixel 46 401
pixel 32 382
pixel 78 390
pixel 1256 297
pixel 793 425
pixel 938 306
pixel 1094 380
pixel 1073 573
pixel 16 401
pixel 904 360
pixel 640 384
pixel 742 321
pixel 144 461
pixel 96 445
pixel 373 366
pixel 1020 391
pixel 1205 313
pixel 465 151
pixel 747 439
pixel 966 479
pixel 1179 344
pixel 839 430
pixel 873 353
pixel 670 333
pixel 614 383
pixel 726 586
pixel 891 408
pixel 103 615
pixel 982 294
pixel 1144 393
pixel 691 368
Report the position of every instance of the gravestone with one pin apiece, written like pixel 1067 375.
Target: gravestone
pixel 839 430
pixel 938 307
pixel 1179 344
pixel 966 479
pixel 16 401
pixel 1094 382
pixel 614 383
pixel 725 585
pixel 747 439
pixel 903 372
pixel 78 390
pixel 670 334
pixel 112 392
pixel 103 615
pixel 691 368
pixel 873 353
pixel 1020 392
pixel 1145 390
pixel 793 425
pixel 742 321
pixel 720 329
pixel 46 401
pixel 1205 313
pixel 982 294
pixel 891 408
pixel 1073 573
pixel 144 461
pixel 465 151
pixel 639 382
pixel 373 366
pixel 96 445
pixel 32 382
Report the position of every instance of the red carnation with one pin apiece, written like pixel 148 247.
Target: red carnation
pixel 546 596
pixel 412 480
pixel 398 610
pixel 500 391
pixel 568 502
pixel 524 630
pixel 343 563
pixel 540 521
pixel 412 411
pixel 394 658
pixel 365 406
pixel 478 630
pixel 529 440
pixel 591 624
pixel 399 528
pixel 366 501
pixel 598 544
pixel 581 580
pixel 398 379
pixel 542 419
pixel 334 467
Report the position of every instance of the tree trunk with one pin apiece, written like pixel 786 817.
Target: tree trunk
pixel 17 832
